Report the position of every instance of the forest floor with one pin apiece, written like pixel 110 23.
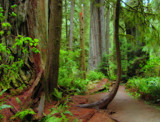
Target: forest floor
pixel 122 109
pixel 86 114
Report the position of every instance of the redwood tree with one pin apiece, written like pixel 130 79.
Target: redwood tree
pixel 97 33
pixel 71 25
pixel 32 21
pixel 55 24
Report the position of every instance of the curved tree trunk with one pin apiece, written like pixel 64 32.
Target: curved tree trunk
pixel 104 102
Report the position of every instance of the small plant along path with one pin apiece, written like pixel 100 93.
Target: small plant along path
pixel 126 109
pixel 86 114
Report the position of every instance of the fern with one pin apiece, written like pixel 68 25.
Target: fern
pixel 57 94
pixel 61 110
pixel 23 114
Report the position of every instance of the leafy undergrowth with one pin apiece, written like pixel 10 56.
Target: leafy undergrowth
pixel 65 109
pixel 145 88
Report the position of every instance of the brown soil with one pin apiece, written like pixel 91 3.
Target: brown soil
pixel 123 108
pixel 86 114
pixel 126 109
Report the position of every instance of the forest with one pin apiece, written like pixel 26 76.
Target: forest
pixel 79 61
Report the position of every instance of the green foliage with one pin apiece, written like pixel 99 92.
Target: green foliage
pixel 51 119
pixel 93 75
pixel 107 87
pixel 61 111
pixel 13 6
pixel 104 65
pixel 5 106
pixel 22 114
pixel 57 94
pixel 69 73
pixel 152 67
pixel 148 88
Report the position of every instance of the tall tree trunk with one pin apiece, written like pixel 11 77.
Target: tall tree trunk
pixel 66 20
pixel 97 33
pixel 82 44
pixel 102 27
pixel 114 71
pixel 71 25
pixel 55 24
pixel 108 43
pixel 104 102
pixel 37 22
pixel 108 30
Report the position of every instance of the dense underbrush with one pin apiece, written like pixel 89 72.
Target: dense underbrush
pixel 145 88
pixel 70 74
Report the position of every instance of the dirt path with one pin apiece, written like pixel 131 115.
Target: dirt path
pixel 129 110
pixel 123 108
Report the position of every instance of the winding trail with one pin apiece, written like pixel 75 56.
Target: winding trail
pixel 123 108
pixel 129 110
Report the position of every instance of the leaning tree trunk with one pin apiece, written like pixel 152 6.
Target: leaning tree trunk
pixel 104 102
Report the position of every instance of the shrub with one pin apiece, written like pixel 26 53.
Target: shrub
pixel 152 67
pixel 147 87
pixel 104 65
pixel 93 75
pixel 23 115
pixel 69 73
pixel 61 111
